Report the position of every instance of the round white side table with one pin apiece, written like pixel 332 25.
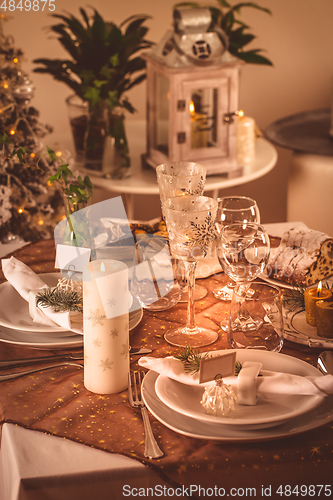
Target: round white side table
pixel 143 180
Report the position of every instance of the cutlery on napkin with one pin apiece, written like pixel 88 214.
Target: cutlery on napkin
pixel 27 283
pixel 248 385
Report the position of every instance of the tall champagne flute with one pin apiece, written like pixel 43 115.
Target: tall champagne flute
pixel 179 179
pixel 243 250
pixel 234 209
pixel 190 223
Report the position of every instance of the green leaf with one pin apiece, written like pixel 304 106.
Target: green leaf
pixel 127 105
pixel 4 139
pixel 51 154
pixel 114 60
pixel 251 56
pixel 239 6
pixel 92 95
pixel 20 153
pixel 113 98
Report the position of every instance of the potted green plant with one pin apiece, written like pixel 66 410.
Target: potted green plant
pixel 225 17
pixel 104 64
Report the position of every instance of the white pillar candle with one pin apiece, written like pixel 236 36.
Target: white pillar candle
pixel 106 326
pixel 245 140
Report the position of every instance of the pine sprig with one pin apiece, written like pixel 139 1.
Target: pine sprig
pixel 60 300
pixel 293 298
pixel 192 358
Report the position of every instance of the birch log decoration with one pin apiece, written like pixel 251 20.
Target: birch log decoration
pixel 106 326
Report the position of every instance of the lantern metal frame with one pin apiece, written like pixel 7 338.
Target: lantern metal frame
pixel 223 77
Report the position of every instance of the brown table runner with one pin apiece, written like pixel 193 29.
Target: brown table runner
pixel 56 402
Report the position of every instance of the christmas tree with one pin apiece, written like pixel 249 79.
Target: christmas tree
pixel 30 207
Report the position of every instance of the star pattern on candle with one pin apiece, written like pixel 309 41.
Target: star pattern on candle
pixel 112 302
pixel 114 333
pixel 125 351
pixel 96 342
pixel 96 317
pixel 106 364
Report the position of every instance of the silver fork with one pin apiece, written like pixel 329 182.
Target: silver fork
pixel 152 449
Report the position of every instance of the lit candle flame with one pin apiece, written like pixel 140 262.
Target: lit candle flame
pixel 192 108
pixel 240 113
pixel 102 267
pixel 319 288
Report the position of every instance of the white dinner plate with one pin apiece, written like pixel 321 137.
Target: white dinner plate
pixel 191 427
pixel 40 340
pixel 49 340
pixel 14 310
pixel 297 330
pixel 185 399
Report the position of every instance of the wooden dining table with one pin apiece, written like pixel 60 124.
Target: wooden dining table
pixel 56 403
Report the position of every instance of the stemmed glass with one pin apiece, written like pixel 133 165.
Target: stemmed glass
pixel 243 250
pixel 190 223
pixel 234 209
pixel 179 179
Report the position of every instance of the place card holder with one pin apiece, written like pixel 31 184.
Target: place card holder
pixel 218 399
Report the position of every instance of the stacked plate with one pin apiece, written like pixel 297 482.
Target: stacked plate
pixel 178 406
pixel 16 326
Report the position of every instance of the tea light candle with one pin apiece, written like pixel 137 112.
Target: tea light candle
pixel 106 326
pixel 311 296
pixel 324 312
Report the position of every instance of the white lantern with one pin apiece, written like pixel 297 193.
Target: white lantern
pixel 193 87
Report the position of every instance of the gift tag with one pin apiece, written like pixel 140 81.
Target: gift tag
pixel 223 365
pixel 72 257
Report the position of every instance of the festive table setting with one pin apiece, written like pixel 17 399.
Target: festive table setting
pixel 185 356
pixel 274 446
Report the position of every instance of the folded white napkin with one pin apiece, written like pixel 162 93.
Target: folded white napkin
pixel 28 284
pixel 248 385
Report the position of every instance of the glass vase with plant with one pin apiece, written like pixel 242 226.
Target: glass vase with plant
pixel 104 64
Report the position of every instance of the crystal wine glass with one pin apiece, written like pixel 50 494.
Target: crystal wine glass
pixel 179 179
pixel 190 222
pixel 234 209
pixel 256 320
pixel 243 250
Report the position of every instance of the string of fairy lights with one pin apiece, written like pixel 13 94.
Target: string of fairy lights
pixel 29 206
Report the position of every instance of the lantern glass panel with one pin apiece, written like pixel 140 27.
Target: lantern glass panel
pixel 203 117
pixel 162 90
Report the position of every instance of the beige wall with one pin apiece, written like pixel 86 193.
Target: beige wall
pixel 298 38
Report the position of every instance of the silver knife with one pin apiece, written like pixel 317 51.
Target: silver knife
pixel 72 356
